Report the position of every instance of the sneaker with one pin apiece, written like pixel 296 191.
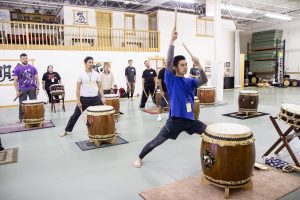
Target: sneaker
pixel 63 134
pixel 159 119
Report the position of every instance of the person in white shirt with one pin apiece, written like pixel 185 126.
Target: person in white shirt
pixel 107 79
pixel 87 92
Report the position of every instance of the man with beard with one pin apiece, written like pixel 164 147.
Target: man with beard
pixel 26 82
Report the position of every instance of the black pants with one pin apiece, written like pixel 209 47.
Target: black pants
pixel 148 88
pixel 23 97
pixel 49 96
pixel 1 147
pixel 86 102
pixel 171 130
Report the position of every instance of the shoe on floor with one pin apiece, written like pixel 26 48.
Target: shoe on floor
pixel 159 119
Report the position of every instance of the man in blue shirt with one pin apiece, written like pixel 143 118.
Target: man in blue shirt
pixel 181 95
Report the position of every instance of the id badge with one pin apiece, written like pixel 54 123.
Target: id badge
pixel 188 107
pixel 52 80
pixel 90 84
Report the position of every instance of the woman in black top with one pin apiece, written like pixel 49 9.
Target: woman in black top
pixel 50 78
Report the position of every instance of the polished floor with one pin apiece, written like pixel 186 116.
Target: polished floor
pixel 50 167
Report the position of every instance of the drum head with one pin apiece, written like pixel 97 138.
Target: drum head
pixel 207 87
pixel 103 108
pixel 228 130
pixel 293 108
pixel 108 96
pixel 32 102
pixel 248 92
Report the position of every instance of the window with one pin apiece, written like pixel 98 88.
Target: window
pixel 129 21
pixel 204 27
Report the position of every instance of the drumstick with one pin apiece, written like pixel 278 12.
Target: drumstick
pixel 165 99
pixel 128 85
pixel 145 93
pixel 175 25
pixel 17 96
pixel 187 50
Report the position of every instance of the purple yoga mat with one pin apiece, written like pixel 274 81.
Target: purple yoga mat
pixel 18 127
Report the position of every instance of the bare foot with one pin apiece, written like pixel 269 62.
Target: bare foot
pixel 63 134
pixel 138 163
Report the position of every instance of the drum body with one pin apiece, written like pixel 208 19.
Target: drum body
pixel 57 89
pixel 157 97
pixel 248 101
pixel 227 154
pixel 290 114
pixel 206 94
pixel 113 100
pixel 33 111
pixel 196 108
pixel 101 122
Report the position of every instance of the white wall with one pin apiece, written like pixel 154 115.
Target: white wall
pixel 291 33
pixel 69 63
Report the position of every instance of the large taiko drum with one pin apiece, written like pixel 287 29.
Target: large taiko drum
pixel 248 101
pixel 206 94
pixel 196 108
pixel 227 155
pixel 57 89
pixel 290 114
pixel 33 112
pixel 101 124
pixel 113 100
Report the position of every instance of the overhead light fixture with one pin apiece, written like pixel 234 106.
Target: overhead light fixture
pixel 278 16
pixel 236 8
pixel 187 1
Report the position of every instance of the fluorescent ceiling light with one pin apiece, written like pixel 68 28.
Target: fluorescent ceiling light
pixel 187 1
pixel 278 16
pixel 236 9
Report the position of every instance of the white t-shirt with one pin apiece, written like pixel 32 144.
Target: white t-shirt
pixel 89 86
pixel 107 81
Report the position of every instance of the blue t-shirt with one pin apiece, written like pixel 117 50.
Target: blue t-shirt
pixel 181 91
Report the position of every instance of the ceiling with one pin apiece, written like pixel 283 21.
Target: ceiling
pixel 242 20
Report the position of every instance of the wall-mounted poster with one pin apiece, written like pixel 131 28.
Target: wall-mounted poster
pixel 80 17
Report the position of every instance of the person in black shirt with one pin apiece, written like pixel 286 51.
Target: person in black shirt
pixel 50 78
pixel 130 74
pixel 148 83
pixel 164 97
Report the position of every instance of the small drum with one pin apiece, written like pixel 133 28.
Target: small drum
pixel 227 155
pixel 295 83
pixel 33 112
pixel 113 100
pixel 254 80
pixel 157 97
pixel 196 108
pixel 286 83
pixel 290 114
pixel 206 94
pixel 248 101
pixel 57 89
pixel 101 124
